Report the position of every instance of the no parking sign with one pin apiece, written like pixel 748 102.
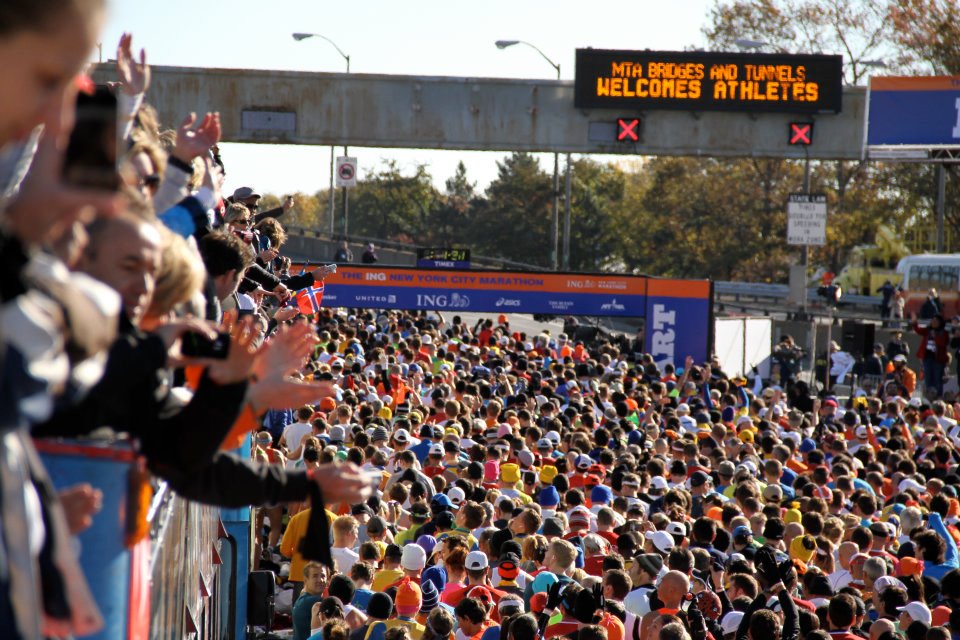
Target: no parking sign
pixel 346 171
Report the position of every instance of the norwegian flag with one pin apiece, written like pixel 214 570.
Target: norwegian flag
pixel 310 300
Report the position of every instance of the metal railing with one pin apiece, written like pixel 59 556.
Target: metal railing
pixel 184 578
pixel 406 247
pixel 780 292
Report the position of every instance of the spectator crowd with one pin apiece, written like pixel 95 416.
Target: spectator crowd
pixel 417 476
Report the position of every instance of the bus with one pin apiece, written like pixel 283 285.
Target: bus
pixel 923 272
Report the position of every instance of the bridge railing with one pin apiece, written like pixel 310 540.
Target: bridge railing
pixel 406 247
pixel 758 291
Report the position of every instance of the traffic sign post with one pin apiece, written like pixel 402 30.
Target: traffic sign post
pixel 346 171
pixel 807 219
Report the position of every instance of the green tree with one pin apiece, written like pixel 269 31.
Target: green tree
pixel 514 219
pixel 597 192
pixel 390 205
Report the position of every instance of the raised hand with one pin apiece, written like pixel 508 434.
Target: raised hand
pixel 192 142
pixel 286 352
pixel 238 364
pixel 134 76
pixel 343 483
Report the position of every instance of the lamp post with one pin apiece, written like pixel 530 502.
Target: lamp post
pixel 555 223
pixel 303 36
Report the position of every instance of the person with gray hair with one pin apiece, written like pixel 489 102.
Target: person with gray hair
pixel 910 519
pixel 873 568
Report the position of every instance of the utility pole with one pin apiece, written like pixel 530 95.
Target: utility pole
pixel 566 220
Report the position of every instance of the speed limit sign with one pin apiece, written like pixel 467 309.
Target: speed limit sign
pixel 346 171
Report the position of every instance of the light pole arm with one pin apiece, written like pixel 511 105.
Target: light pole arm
pixel 545 57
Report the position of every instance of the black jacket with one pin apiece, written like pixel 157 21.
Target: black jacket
pixel 134 396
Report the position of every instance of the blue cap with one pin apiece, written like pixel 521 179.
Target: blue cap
pixel 440 501
pixel 728 414
pixel 742 532
pixel 808 445
pixel 601 494
pixel 635 437
pixel 549 496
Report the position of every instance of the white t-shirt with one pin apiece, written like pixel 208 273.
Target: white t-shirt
pixel 294 433
pixel 344 559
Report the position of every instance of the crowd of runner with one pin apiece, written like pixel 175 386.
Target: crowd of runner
pixel 415 476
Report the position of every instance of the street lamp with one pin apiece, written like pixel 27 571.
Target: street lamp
pixel 300 37
pixel 746 43
pixel 555 225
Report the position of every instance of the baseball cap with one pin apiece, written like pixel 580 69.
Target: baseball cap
pixel 440 502
pixel 742 533
pixel 698 479
pixel 918 611
pixel 544 443
pixel 661 540
pixel 243 193
pixel 583 462
pixel 476 561
pixel 402 435
pixel 773 492
pixel 899 358
pixel 456 496
pixel 436 450
pixel 881 583
pixel 731 622
pixel 808 445
pixel 659 483
pixel 726 468
pixel 676 529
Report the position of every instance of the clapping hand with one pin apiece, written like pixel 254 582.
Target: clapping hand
pixel 192 142
pixel 134 76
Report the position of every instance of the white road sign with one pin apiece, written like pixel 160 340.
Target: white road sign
pixel 807 219
pixel 346 171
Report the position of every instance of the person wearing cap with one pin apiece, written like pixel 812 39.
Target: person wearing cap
pixel 477 565
pixel 508 571
pixel 904 376
pixel 644 572
pixel 914 612
pixel 407 604
pixel 659 542
pixel 509 477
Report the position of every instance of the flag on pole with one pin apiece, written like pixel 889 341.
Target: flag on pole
pixel 310 300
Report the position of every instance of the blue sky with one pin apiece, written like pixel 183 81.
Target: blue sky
pixel 417 37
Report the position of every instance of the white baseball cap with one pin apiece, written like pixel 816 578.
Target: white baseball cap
pixel 457 496
pixel 918 611
pixel 659 482
pixel 662 540
pixel 476 560
pixel 731 622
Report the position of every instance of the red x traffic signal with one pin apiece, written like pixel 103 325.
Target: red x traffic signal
pixel 628 129
pixel 801 134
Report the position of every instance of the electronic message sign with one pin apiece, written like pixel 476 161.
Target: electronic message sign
pixel 703 81
pixel 443 258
